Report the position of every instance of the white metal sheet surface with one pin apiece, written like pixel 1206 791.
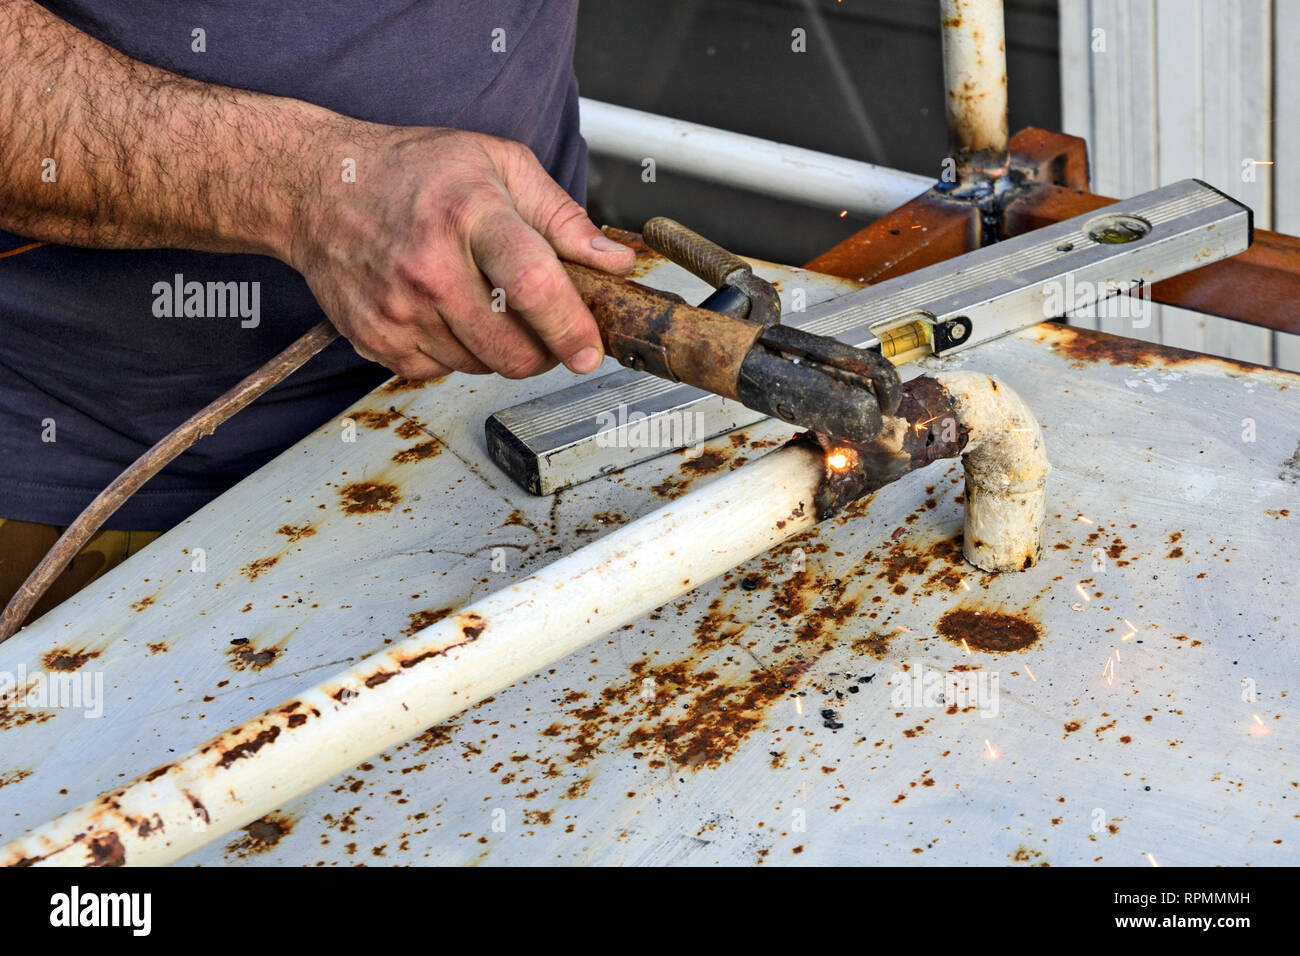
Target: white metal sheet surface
pixel 786 713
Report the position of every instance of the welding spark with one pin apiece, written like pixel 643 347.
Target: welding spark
pixel 1082 594
pixel 798 706
pixel 964 584
pixel 1117 657
pixel 1031 674
pixel 920 426
pixel 901 628
pixel 1258 721
pixel 993 754
pixel 1152 859
pixel 1128 635
pixel 1132 626
pixel 843 213
pixel 1083 519
pixel 965 645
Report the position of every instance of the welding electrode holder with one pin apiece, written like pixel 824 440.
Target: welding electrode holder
pixel 807 380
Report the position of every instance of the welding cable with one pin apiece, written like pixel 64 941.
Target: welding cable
pixel 203 422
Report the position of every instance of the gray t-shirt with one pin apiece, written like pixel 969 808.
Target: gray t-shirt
pixel 80 344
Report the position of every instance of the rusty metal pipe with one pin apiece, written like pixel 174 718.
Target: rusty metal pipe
pixel 975 80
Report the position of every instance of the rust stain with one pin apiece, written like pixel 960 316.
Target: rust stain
pixel 255 569
pixel 158 647
pixel 1024 854
pixel 371 418
pixel 1085 347
pixel 13 776
pixel 369 497
pixel 422 619
pixel 15 713
pixel 720 716
pixel 107 850
pixel 706 463
pixel 426 449
pixel 247 748
pixel 296 532
pixel 671 488
pixel 243 656
pixel 262 835
pixel 683 713
pixel 992 631
pixel 407 385
pixel 68 660
pixel 143 603
pixel 877 645
pixel 409 428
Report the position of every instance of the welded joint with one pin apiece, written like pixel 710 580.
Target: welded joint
pixel 1001 446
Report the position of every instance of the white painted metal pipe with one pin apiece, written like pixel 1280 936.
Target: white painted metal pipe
pixel 975 78
pixel 1006 473
pixel 391 696
pixel 747 162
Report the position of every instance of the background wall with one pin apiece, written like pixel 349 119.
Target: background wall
pixel 1166 89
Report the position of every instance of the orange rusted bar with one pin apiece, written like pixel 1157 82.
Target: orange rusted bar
pixel 927 230
pixel 1261 286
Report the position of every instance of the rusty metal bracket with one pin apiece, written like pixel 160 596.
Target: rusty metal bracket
pixel 923 429
pixel 1048 183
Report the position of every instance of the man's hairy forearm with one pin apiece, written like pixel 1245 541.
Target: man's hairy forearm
pixel 144 158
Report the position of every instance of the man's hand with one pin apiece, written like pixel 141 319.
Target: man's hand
pixel 443 255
